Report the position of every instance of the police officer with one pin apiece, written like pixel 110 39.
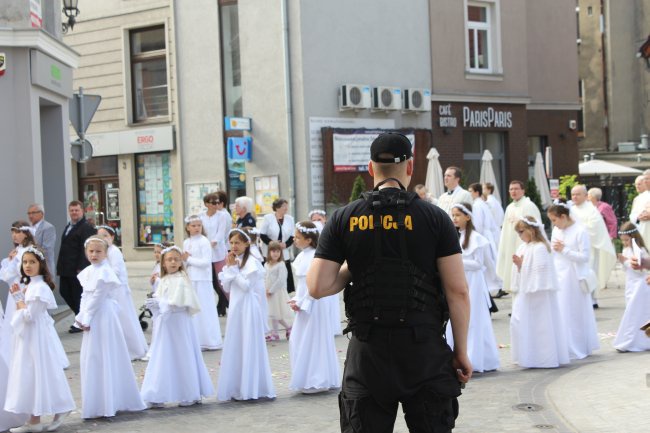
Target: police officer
pixel 400 258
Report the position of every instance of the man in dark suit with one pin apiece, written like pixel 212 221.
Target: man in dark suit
pixel 72 257
pixel 45 233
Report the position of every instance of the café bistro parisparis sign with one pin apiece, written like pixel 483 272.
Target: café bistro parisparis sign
pixel 483 118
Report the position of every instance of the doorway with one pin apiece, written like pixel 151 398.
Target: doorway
pixel 99 191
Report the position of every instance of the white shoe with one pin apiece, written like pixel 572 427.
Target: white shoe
pixel 28 428
pixel 56 423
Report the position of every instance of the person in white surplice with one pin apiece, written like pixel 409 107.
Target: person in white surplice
pixel 176 371
pixel 571 250
pixel 483 217
pixel 478 262
pixel 640 213
pixel 629 337
pixel 314 365
pixel 537 330
pixel 603 256
pixel 521 206
pixel 37 384
pixel 455 193
pixel 245 372
pixel 493 203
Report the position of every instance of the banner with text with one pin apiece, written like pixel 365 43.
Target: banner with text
pixel 351 151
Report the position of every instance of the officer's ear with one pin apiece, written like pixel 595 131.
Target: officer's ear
pixel 371 169
pixel 409 167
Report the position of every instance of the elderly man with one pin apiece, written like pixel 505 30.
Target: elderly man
pixel 595 195
pixel 455 193
pixel 603 255
pixel 72 257
pixel 45 233
pixel 520 207
pixel 640 213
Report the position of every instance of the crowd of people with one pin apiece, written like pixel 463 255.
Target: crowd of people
pixel 228 266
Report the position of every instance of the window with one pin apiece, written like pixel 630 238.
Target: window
pixel 536 144
pixel 154 198
pixel 474 145
pixel 149 87
pixel 482 42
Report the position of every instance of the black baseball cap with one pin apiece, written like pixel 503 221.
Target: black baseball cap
pixel 392 143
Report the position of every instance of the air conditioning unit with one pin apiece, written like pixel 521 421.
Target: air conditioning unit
pixel 417 99
pixel 386 98
pixel 354 97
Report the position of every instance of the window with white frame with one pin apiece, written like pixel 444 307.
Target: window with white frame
pixel 149 87
pixel 482 36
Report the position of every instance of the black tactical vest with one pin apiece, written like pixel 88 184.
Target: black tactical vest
pixel 393 292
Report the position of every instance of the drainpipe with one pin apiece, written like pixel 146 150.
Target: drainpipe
pixel 287 102
pixel 603 42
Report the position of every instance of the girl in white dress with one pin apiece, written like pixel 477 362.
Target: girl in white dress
pixel 314 365
pixel 275 283
pixel 154 281
pixel 537 331
pixel 37 384
pixel 245 372
pixel 107 380
pixel 479 267
pixel 22 236
pixel 133 334
pixel 629 337
pixel 176 370
pixel 571 247
pixel 253 233
pixel 197 255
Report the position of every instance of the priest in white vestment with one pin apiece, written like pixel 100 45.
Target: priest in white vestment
pixel 640 213
pixel 509 241
pixel 455 193
pixel 603 255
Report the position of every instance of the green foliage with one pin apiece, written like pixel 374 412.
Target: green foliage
pixel 533 194
pixel 566 183
pixel 631 192
pixel 358 187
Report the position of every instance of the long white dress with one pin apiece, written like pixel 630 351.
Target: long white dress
pixel 537 331
pixel 133 334
pixel 479 267
pixel 575 279
pixel 484 224
pixel 314 365
pixel 245 372
pixel 37 384
pixel 629 338
pixel 108 383
pixel 334 305
pixel 199 268
pixel 10 274
pixel 496 209
pixel 155 322
pixel 176 371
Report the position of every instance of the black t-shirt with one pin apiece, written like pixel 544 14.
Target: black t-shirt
pixel 246 221
pixel 349 234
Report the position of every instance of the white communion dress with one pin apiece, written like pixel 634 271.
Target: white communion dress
pixel 576 279
pixel 133 334
pixel 108 383
pixel 479 267
pixel 37 384
pixel 314 364
pixel 245 372
pixel 537 331
pixel 629 338
pixel 176 371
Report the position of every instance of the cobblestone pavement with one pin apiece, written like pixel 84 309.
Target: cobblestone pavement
pixel 607 392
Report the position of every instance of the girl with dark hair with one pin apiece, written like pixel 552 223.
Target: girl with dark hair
pixel 571 250
pixel 37 384
pixel 629 337
pixel 479 267
pixel 245 372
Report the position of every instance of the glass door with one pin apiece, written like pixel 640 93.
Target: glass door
pixel 474 144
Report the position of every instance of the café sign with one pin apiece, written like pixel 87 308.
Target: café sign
pixel 487 118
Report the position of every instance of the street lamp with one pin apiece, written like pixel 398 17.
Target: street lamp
pixel 70 10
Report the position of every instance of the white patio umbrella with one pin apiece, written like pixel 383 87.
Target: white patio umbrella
pixel 434 182
pixel 487 173
pixel 597 167
pixel 542 182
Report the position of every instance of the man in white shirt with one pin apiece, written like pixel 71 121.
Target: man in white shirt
pixel 640 213
pixel 45 233
pixel 603 256
pixel 455 193
pixel 217 224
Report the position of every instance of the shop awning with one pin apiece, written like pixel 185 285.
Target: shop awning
pixel 597 167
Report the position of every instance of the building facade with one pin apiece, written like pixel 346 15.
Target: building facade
pixel 271 98
pixel 614 82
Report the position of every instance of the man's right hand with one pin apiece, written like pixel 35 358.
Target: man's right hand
pixel 463 367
